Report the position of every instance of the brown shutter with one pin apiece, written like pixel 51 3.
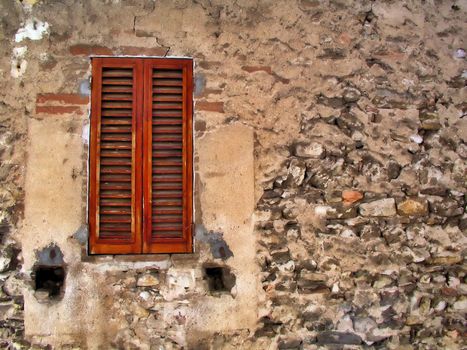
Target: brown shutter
pixel 168 156
pixel 115 194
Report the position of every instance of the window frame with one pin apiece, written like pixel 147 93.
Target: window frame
pixel 142 240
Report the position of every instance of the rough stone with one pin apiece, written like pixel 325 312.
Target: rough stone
pixel 147 280
pixel 413 207
pixel 331 337
pixel 378 208
pixel 310 150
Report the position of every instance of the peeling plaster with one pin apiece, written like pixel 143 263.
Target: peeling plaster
pixel 33 30
pixel 85 134
pixel 18 63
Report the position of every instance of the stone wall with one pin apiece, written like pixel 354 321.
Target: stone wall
pixel 330 173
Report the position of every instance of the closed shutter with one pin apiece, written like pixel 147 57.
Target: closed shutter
pixel 115 156
pixel 168 153
pixel 141 156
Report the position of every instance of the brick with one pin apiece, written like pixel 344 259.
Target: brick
pixel 86 50
pixel 141 51
pixel 210 106
pixel 252 69
pixel 207 92
pixel 57 109
pixel 73 99
pixel 209 64
pixel 350 197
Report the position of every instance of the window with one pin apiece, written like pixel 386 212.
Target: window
pixel 140 190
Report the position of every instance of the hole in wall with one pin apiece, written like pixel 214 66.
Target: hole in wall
pixel 219 279
pixel 49 274
pixel 49 281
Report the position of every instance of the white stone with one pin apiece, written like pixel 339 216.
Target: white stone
pixel 297 170
pixel 460 53
pixel 381 207
pixel 310 150
pixel 144 295
pixel 348 233
pixel 321 210
pixel 289 266
pixel 335 288
pixel 417 139
pixel 440 306
pixel 460 305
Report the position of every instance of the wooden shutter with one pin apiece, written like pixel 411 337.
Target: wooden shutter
pixel 115 194
pixel 168 156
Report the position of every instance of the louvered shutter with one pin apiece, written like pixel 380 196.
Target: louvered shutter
pixel 115 194
pixel 168 156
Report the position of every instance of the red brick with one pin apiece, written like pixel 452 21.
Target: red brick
pixel 73 99
pixel 210 106
pixel 57 109
pixel 350 197
pixel 252 69
pixel 144 51
pixel 86 50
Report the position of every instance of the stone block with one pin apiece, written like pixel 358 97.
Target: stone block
pixel 380 208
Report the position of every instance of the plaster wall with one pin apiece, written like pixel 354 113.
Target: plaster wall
pixel 330 167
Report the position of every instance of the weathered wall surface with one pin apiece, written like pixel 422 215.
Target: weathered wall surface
pixel 330 168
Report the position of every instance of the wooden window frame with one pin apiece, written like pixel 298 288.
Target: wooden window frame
pixel 142 239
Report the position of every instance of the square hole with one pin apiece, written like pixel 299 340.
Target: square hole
pixel 219 278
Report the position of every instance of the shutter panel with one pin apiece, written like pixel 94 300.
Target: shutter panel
pixel 115 156
pixel 168 156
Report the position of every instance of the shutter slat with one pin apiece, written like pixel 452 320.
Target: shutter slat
pixel 167 82
pixel 167 195
pixel 168 98
pixel 167 74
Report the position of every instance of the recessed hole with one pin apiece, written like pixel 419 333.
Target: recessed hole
pixel 219 278
pixel 50 279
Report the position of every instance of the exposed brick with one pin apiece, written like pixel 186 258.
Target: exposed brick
pixel 74 99
pixel 210 106
pixel 350 197
pixel 145 51
pixel 86 50
pixel 209 64
pixel 207 92
pixel 252 69
pixel 56 109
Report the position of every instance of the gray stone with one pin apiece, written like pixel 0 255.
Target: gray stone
pixel 364 325
pixel 331 337
pixel 297 170
pixel 13 286
pixel 281 256
pixel 394 169
pixel 4 262
pixel 446 207
pixel 379 208
pixel 351 95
